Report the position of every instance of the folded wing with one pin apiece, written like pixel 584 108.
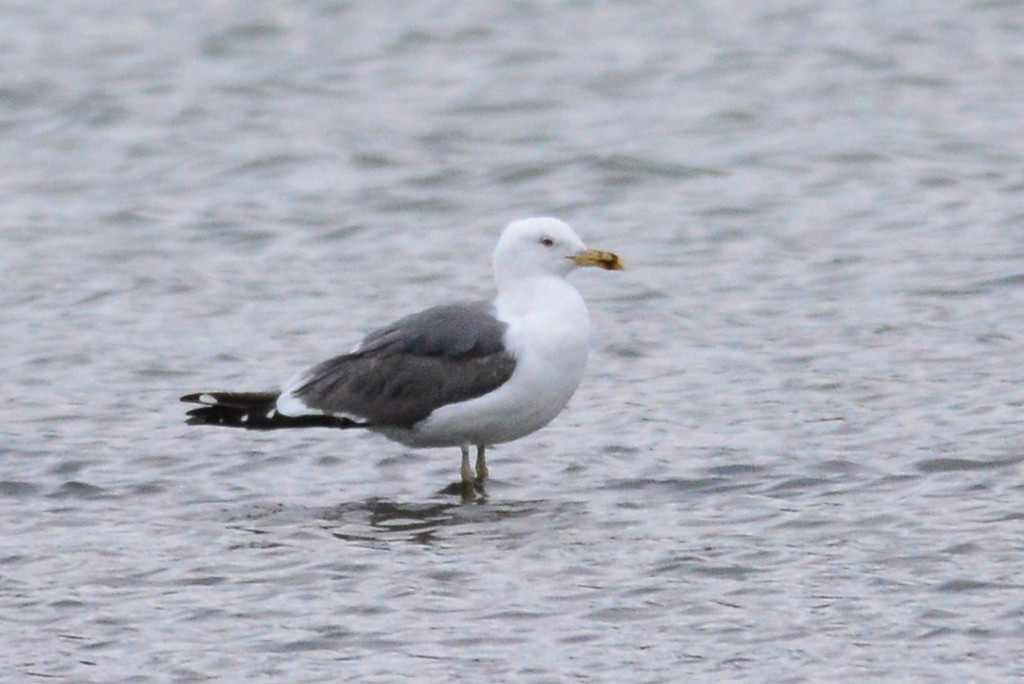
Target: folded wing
pixel 403 372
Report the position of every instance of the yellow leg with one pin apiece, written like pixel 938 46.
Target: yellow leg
pixel 467 470
pixel 481 462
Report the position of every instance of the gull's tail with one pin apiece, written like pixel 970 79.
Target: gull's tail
pixel 253 411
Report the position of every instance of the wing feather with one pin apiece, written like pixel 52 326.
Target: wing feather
pixel 400 374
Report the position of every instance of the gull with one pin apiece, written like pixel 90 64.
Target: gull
pixel 464 374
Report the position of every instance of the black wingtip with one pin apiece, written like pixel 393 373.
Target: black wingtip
pixel 254 411
pixel 251 410
pixel 216 415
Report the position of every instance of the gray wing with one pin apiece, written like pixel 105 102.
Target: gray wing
pixel 403 372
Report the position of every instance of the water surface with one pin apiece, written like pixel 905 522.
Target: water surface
pixel 796 456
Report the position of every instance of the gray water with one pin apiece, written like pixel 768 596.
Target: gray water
pixel 797 453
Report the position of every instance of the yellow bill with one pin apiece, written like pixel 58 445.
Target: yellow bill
pixel 594 257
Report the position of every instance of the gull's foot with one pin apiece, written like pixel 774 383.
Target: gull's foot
pixel 481 471
pixel 472 482
pixel 469 491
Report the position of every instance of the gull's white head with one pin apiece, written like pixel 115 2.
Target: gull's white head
pixel 544 247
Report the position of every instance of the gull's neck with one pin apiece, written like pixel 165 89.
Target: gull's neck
pixel 552 293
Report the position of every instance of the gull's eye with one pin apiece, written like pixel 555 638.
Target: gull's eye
pixel 547 242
